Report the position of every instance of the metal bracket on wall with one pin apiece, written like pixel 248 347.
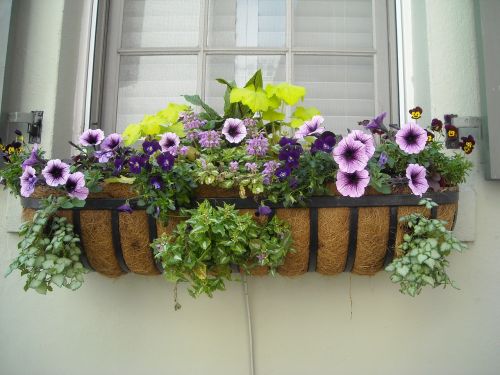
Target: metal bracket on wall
pixel 33 120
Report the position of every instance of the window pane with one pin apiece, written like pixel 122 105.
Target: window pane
pixel 160 23
pixel 247 23
pixel 341 87
pixel 148 83
pixel 333 24
pixel 240 68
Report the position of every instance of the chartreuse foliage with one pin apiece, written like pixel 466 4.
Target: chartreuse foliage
pixel 49 252
pixel 202 248
pixel 426 244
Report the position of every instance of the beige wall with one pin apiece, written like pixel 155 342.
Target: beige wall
pixel 301 325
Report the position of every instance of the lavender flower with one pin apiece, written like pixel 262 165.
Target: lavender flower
pixel 111 142
pixel 352 184
pixel 150 147
pixel 258 146
pixel 166 161
pixel 191 121
pixel 28 181
pixel 234 130
pixel 350 155
pixel 270 168
pixel 251 167
pixel 169 142
pixel 183 150
pixel 416 179
pixel 156 182
pixel 411 138
pixel 311 127
pixel 75 186
pixel 125 208
pixel 33 159
pixel 137 162
pixel 383 159
pixel 324 143
pixel 366 140
pixel 91 137
pixel 249 122
pixel 233 166
pixel 376 125
pixel 209 139
pixel 56 172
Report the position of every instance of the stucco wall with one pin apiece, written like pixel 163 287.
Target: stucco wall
pixel 301 325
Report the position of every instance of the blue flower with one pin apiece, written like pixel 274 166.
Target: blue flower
pixel 150 147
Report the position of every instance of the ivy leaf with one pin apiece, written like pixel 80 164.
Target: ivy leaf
pixel 200 271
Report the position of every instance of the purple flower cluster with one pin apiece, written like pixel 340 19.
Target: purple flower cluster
pixel 191 121
pixel 233 166
pixel 289 155
pixel 209 139
pixel 324 143
pixel 258 146
pixel 251 167
pixel 270 168
pixel 109 147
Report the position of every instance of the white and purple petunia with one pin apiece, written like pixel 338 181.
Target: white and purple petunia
pixel 33 159
pixel 91 137
pixel 417 180
pixel 75 186
pixel 350 155
pixel 234 130
pixel 28 181
pixel 411 138
pixel 111 142
pixel 352 184
pixel 311 127
pixel 366 139
pixel 56 172
pixel 169 142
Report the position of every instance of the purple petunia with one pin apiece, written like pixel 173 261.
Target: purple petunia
pixel 233 166
pixel 28 181
pixel 75 186
pixel 111 142
pixel 137 162
pixel 352 184
pixel 56 172
pixel 258 145
pixel 234 130
pixel 209 139
pixel 411 138
pixel 376 125
pixel 156 182
pixel 166 161
pixel 125 208
pixel 33 159
pixel 365 139
pixel 311 127
pixel 170 142
pixel 151 146
pixel 383 159
pixel 91 137
pixel 324 143
pixel 350 155
pixel 417 180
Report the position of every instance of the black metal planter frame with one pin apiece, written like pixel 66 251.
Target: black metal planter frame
pixel 391 200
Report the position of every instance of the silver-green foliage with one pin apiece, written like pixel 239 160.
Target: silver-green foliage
pixel 426 245
pixel 49 252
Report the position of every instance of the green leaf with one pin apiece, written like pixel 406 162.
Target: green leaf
pixel 430 262
pixel 120 180
pixel 403 270
pixel 196 100
pixel 272 115
pixel 290 94
pixel 177 128
pixel 255 99
pixel 170 115
pixel 58 279
pixel 305 114
pixel 256 80
pixel 150 125
pixel 132 134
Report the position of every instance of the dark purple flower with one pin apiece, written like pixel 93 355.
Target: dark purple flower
pixel 264 210
pixel 111 142
pixel 350 155
pixel 150 147
pixel 91 137
pixel 166 161
pixel 417 180
pixel 283 172
pixel 33 159
pixel 119 162
pixel 18 132
pixel 290 155
pixel 411 138
pixel 234 130
pixel 310 127
pixel 324 143
pixel 287 141
pixel 258 145
pixel 28 181
pixel 376 125
pixel 383 159
pixel 293 182
pixel 467 144
pixel 436 125
pixel 352 184
pixel 156 182
pixel 75 186
pixel 449 118
pixel 137 162
pixel 169 142
pixel 103 156
pixel 125 208
pixel 56 172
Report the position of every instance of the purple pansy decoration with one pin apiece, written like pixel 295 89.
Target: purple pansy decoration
pixel 209 139
pixel 125 208
pixel 324 142
pixel 258 145
pixel 352 184
pixel 75 186
pixel 311 127
pixel 166 161
pixel 156 182
pixel 137 162
pixel 365 139
pixel 233 166
pixel 383 159
pixel 56 172
pixel 91 137
pixel 417 180
pixel 234 130
pixel 150 147
pixel 283 172
pixel 111 142
pixel 169 142
pixel 28 181
pixel 376 125
pixel 411 138
pixel 350 155
pixel 33 159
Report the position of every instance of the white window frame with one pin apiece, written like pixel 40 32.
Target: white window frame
pixel 104 98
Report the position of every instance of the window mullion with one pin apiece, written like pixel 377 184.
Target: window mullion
pixel 202 44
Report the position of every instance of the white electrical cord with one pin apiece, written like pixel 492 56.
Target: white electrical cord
pixel 249 324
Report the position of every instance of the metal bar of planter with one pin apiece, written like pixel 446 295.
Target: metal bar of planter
pixel 313 239
pixel 117 243
pixel 353 239
pixel 77 227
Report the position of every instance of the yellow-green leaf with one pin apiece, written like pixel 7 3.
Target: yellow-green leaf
pixel 171 114
pixel 272 115
pixel 256 100
pixel 177 128
pixel 131 134
pixel 305 113
pixel 290 94
pixel 296 123
pixel 120 180
pixel 201 271
pixel 150 125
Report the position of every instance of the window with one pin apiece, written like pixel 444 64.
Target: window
pixel 157 50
